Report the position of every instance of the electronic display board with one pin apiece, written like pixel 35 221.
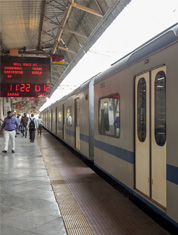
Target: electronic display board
pixel 25 76
pixel 24 90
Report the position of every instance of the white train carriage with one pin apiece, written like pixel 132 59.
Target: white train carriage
pixel 69 120
pixel 128 123
pixel 140 151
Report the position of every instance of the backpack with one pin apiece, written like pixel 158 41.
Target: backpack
pixel 32 125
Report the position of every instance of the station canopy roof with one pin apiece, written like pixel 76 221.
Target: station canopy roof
pixel 62 27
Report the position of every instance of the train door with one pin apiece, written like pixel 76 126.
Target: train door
pixel 77 124
pixel 64 122
pixel 51 125
pixel 150 134
pixel 56 117
pixel 51 120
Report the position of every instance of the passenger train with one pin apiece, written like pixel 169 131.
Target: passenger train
pixel 125 120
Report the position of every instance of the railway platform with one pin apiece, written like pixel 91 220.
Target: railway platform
pixel 27 202
pixel 46 190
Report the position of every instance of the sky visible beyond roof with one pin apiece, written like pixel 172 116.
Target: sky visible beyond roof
pixel 137 23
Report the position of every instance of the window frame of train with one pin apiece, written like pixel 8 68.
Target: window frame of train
pixel 105 105
pixel 69 110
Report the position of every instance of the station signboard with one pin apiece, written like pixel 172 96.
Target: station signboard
pixel 58 59
pixel 18 106
pixel 25 77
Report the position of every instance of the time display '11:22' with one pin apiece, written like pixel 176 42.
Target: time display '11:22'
pixel 25 90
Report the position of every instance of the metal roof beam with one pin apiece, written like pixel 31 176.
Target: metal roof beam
pixel 41 52
pixel 47 42
pixel 56 73
pixel 63 5
pixel 41 23
pixel 61 9
pixel 55 77
pixel 68 30
pixel 55 15
pixel 44 32
pixel 59 71
pixel 74 32
pixel 48 46
pixel 98 5
pixel 69 9
pixel 86 9
pixel 56 67
pixel 66 49
pixel 53 22
pixel 59 34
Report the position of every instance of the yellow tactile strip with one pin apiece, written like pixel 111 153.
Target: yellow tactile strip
pixel 74 220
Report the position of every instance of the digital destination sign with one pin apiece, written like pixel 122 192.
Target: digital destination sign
pixel 25 76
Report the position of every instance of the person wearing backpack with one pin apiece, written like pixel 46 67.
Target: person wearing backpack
pixel 32 126
pixel 24 122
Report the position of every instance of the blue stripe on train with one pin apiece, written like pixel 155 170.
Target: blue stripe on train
pixel 84 138
pixel 172 174
pixel 69 132
pixel 163 214
pixel 123 154
pixel 128 156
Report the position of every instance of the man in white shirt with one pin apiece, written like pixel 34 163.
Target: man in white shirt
pixel 40 123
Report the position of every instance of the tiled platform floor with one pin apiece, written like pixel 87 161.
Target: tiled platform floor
pixel 27 202
pixel 88 204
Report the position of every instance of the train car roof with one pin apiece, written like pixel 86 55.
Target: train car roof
pixel 82 87
pixel 155 44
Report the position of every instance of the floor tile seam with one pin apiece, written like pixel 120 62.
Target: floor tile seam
pixel 68 189
pixel 1 223
pixel 24 211
pixel 30 232
pixel 49 221
pixel 34 197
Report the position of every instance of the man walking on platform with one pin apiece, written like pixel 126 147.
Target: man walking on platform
pixel 40 123
pixel 24 122
pixel 32 126
pixel 10 126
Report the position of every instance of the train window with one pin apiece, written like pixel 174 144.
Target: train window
pixel 109 116
pixel 141 110
pixel 60 117
pixel 160 108
pixel 69 116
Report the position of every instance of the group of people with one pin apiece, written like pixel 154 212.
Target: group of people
pixel 12 125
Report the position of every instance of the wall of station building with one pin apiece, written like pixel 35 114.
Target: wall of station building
pixel 5 106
